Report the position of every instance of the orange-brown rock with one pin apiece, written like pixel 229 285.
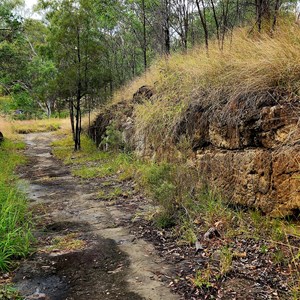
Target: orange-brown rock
pixel 248 148
pixel 253 156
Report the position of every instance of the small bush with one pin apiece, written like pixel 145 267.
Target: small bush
pixel 113 139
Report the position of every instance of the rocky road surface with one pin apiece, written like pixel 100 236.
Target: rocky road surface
pixel 84 247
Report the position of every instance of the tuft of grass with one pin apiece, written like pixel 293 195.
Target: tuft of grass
pixel 226 258
pixel 68 242
pixel 202 278
pixel 63 149
pixel 15 234
pixel 164 219
pixel 7 292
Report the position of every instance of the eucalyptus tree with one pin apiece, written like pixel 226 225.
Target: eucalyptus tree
pixel 78 41
pixel 12 55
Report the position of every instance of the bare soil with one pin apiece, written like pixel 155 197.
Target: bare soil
pixel 101 258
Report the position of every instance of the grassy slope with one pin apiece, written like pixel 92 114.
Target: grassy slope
pixel 248 65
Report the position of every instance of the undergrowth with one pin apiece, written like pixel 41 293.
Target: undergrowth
pixel 188 206
pixel 7 292
pixel 15 234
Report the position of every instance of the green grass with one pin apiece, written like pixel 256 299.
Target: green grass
pixel 7 292
pixel 63 149
pixel 15 235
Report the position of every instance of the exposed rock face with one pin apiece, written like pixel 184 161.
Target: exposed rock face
pixel 119 114
pixel 250 151
pixel 144 92
pixel 268 180
pixel 247 148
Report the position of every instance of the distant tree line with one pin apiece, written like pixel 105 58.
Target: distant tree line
pixel 83 50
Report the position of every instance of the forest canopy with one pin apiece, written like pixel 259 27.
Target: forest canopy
pixel 81 51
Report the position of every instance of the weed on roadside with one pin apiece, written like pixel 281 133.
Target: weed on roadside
pixel 202 278
pixel 69 242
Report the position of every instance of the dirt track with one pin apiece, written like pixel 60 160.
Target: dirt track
pixel 111 264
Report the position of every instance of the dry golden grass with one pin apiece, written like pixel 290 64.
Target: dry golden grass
pixel 126 92
pixel 6 128
pixel 31 126
pixel 248 65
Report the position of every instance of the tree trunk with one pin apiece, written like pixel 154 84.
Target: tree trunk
pixel 216 20
pixel 144 35
pixel 166 27
pixel 203 21
pixel 78 96
pixel 277 6
pixel 71 111
pixel 225 10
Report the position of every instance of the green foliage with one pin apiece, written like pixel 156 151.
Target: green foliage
pixel 202 278
pixel 164 219
pixel 157 180
pixel 8 292
pixel 226 258
pixel 15 236
pixel 280 257
pixel 113 140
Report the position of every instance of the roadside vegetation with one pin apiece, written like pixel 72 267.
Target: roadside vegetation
pixel 35 126
pixel 15 224
pixel 210 62
pixel 186 209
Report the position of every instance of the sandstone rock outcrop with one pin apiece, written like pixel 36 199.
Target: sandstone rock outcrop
pixel 247 148
pixel 144 93
pixel 117 114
